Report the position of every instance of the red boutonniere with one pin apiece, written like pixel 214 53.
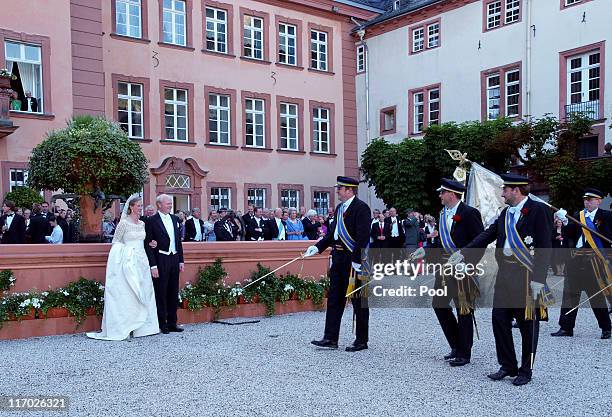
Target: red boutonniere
pixel 524 211
pixel 456 218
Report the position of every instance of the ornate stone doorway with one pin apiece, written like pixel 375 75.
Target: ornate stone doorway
pixel 181 179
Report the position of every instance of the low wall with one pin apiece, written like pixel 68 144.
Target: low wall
pixel 52 266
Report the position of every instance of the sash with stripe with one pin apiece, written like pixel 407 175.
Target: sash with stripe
pixel 517 246
pixel 603 277
pixel 445 236
pixel 350 243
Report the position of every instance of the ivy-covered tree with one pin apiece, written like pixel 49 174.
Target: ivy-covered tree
pixel 92 157
pixel 24 197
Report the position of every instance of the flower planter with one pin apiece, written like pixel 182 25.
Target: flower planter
pixel 31 315
pixel 5 82
pixel 56 312
pixel 293 296
pixel 91 311
pixel 242 300
pixel 185 304
pixel 255 299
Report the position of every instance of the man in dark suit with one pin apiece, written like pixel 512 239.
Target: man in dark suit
pixel 354 214
pixel 249 214
pixel 255 226
pixel 459 225
pixel 397 231
pixel 411 230
pixel 380 233
pixel 12 224
pixel 194 227
pixel 586 270
pixel 277 227
pixel 523 257
pixel 29 103
pixel 166 262
pixel 226 229
pixel 39 225
pixel 310 225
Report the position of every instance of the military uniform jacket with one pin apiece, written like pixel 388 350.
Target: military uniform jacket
pixel 465 228
pixel 603 224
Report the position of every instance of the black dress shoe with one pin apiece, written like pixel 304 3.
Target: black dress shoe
pixel 501 374
pixel 174 328
pixel 356 347
pixel 325 343
pixel 605 334
pixel 164 330
pixel 521 380
pixel 451 355
pixel 561 332
pixel 459 362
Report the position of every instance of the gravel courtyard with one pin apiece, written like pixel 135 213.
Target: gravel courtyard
pixel 270 369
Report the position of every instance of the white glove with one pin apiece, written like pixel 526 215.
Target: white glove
pixel 561 214
pixel 356 266
pixel 536 287
pixel 311 251
pixel 455 258
pixel 417 254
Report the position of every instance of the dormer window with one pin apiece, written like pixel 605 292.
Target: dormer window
pixel 396 4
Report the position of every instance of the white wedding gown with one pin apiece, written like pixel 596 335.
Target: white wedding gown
pixel 129 299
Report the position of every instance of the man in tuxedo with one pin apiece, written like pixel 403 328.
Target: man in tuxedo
pixel 380 232
pixel 39 225
pixel 397 231
pixel 330 218
pixel 276 226
pixel 194 227
pixel 166 262
pixel 459 225
pixel 225 228
pixel 347 244
pixel 255 226
pixel 249 214
pixel 523 257
pixel 12 224
pixel 310 225
pixel 29 103
pixel 586 270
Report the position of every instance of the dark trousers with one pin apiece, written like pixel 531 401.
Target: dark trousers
pixel 166 289
pixel 580 277
pixel 336 301
pixel 504 344
pixel 459 331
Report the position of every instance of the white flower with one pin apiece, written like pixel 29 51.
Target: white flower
pixel 288 288
pixel 95 299
pixel 66 293
pixel 528 240
pixel 45 293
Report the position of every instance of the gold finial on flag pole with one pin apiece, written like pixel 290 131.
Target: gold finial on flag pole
pixel 460 173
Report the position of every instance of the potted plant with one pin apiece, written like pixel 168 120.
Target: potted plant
pixel 7 280
pixel 5 78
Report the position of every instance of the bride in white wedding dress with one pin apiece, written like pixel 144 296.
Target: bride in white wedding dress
pixel 129 299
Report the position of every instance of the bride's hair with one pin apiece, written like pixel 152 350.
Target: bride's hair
pixel 132 203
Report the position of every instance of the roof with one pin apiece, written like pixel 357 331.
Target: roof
pixel 406 7
pixel 371 5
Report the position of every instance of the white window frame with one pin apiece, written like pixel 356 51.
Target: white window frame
pixel 218 193
pixel 217 27
pixel 321 141
pixel 361 58
pixel 512 11
pixel 256 197
pixel 15 183
pixel 508 85
pixel 175 18
pixel 493 95
pixel 433 106
pixel 433 35
pixel 572 2
pixel 288 196
pixel 320 202
pixel 494 14
pixel 286 117
pixel 396 4
pixel 133 22
pixel 176 104
pixel 418 111
pixel 319 50
pixel 257 120
pixel 131 99
pixel 286 43
pixel 37 87
pixel 215 106
pixel 585 77
pixel 418 39
pixel 253 33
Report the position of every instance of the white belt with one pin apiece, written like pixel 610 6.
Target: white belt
pixel 167 253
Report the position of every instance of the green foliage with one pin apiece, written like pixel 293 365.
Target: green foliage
pixel 82 295
pixel 7 280
pixel 91 152
pixel 24 197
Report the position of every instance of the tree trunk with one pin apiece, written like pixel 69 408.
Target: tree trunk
pixel 91 221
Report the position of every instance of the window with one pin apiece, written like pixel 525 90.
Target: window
pixel 387 120
pixel 583 84
pixel 287 44
pixel 255 122
pixel 175 114
pixel 178 181
pixel 320 120
pixel 219 119
pixel 499 13
pixel 129 109
pixel 18 178
pixel 361 58
pixel 501 95
pixel 256 197
pixel 588 147
pixel 396 4
pixel 174 21
pixel 424 108
pixel 24 61
pixel 572 2
pixel 216 30
pixel 290 198
pixel 425 36
pixel 289 126
pixel 253 37
pixel 318 50
pixel 128 18
pixel 321 202
pixel 220 197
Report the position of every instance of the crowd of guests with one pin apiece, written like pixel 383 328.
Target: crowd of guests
pixel 37 225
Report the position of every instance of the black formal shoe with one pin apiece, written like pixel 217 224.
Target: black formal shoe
pixel 521 380
pixel 356 347
pixel 501 374
pixel 459 362
pixel 325 343
pixel 605 334
pixel 174 328
pixel 164 330
pixel 451 355
pixel 561 332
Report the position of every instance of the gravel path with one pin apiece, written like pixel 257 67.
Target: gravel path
pixel 270 369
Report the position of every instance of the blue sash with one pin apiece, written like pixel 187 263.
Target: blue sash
pixel 350 243
pixel 517 246
pixel 445 236
pixel 591 226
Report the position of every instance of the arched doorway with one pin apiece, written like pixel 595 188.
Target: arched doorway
pixel 182 180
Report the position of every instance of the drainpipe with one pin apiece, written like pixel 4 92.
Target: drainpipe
pixel 361 33
pixel 528 58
